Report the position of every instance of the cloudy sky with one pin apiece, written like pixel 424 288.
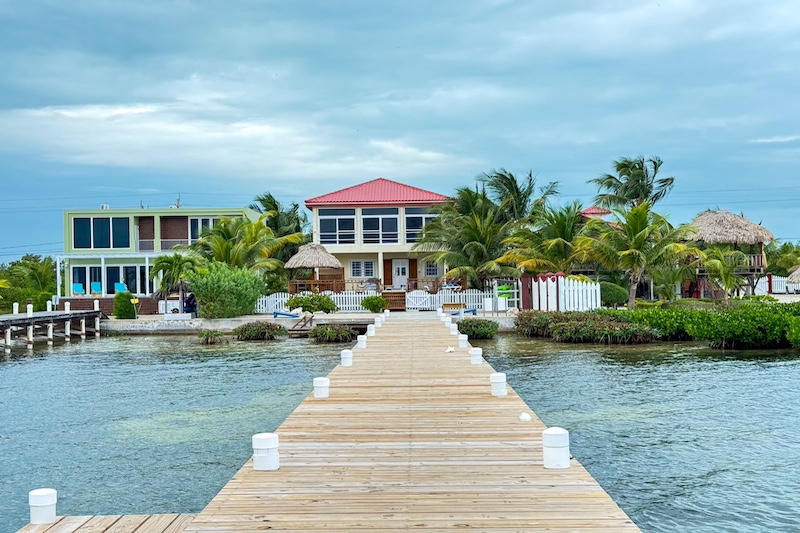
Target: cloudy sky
pixel 127 102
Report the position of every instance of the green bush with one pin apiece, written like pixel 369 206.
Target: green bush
pixel 374 304
pixel 612 295
pixel 762 298
pixel 478 328
pixel 793 331
pixel 691 303
pixel 123 308
pixel 259 331
pixel 211 336
pixel 602 330
pixel 313 303
pixel 743 326
pixel 224 292
pixel 649 304
pixel 667 323
pixel 332 333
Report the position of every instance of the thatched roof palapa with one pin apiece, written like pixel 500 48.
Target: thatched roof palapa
pixel 313 256
pixel 794 276
pixel 723 227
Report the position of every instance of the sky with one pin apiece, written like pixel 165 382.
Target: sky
pixel 131 103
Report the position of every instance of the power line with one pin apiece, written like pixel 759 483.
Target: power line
pixel 29 245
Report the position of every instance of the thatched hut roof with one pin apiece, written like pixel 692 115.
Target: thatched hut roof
pixel 794 276
pixel 313 256
pixel 723 227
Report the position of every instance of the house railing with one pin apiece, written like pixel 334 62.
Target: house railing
pixel 145 245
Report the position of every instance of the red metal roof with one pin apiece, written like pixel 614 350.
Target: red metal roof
pixel 594 210
pixel 378 191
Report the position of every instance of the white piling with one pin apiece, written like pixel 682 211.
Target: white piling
pixel 498 381
pixel 29 310
pixel 49 306
pixel 29 337
pixel 347 357
pixel 43 505
pixel 265 452
pixel 361 341
pixel 67 307
pixel 555 447
pixel 83 329
pixel 447 321
pixel 386 313
pixel 97 305
pixel 97 326
pixel 439 312
pixel 476 356
pixel 50 334
pixel 371 330
pixel 378 321
pixel 322 387
pixel 67 330
pixel 463 341
pixel 454 329
pixel 15 308
pixel 7 340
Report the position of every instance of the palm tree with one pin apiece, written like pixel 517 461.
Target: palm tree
pixel 666 277
pixel 634 184
pixel 468 238
pixel 638 241
pixel 174 270
pixel 282 221
pixel 723 265
pixel 549 242
pixel 244 244
pixel 39 275
pixel 4 284
pixel 517 197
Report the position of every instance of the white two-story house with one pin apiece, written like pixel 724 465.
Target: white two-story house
pixel 371 228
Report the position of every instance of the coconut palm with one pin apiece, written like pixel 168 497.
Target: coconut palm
pixel 517 198
pixel 634 184
pixel 282 221
pixel 4 284
pixel 174 270
pixel 723 265
pixel 39 274
pixel 638 241
pixel 666 277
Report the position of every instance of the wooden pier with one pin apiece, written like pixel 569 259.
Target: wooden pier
pixel 410 438
pixel 48 326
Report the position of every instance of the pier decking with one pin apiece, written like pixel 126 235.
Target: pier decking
pixel 410 439
pixel 48 325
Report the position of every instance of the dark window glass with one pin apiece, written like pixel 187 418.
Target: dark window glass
pixel 414 222
pixel 112 277
pixel 143 281
pixel 79 276
pixel 347 224
pixel 102 232
pixel 336 212
pixel 95 274
pixel 371 224
pixel 390 225
pixel 379 211
pixel 130 278
pixel 347 239
pixel 194 229
pixel 327 225
pixel 82 232
pixel 416 210
pixel 120 229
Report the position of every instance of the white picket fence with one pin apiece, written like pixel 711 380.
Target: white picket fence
pixel 780 285
pixel 564 294
pixel 346 301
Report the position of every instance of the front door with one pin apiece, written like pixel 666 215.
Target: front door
pixel 400 273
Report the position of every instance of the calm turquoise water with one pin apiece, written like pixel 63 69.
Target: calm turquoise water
pixel 683 438
pixel 141 425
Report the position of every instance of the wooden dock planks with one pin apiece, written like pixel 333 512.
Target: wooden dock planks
pixel 157 523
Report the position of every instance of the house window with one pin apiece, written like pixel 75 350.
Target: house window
pixel 101 233
pixel 380 225
pixel 198 224
pixel 82 233
pixel 416 218
pixel 362 269
pixel 337 226
pixel 431 269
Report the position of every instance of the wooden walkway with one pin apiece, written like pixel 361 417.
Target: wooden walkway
pixel 410 439
pixel 157 523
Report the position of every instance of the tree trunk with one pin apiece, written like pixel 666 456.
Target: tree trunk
pixel 632 293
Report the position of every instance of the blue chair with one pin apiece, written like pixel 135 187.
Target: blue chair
pixel 77 289
pixel 120 287
pixel 96 288
pixel 277 314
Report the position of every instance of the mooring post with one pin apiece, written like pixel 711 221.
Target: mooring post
pixel 463 341
pixel 7 340
pixel 67 330
pixel 83 329
pixel 15 308
pixel 555 447
pixel 50 334
pixel 97 327
pixel 371 330
pixel 448 322
pixel 322 387
pixel 43 505
pixel 29 337
pixel 97 305
pixel 265 452
pixel 49 306
pixel 454 329
pixel 67 307
pixel 498 381
pixel 378 321
pixel 439 312
pixel 386 313
pixel 347 357
pixel 29 310
pixel 361 341
pixel 476 356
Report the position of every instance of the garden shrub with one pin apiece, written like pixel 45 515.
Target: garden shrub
pixel 123 308
pixel 478 328
pixel 668 324
pixel 312 303
pixel 374 304
pixel 649 304
pixel 332 333
pixel 211 336
pixel 612 295
pixel 535 323
pixel 691 303
pixel 224 292
pixel 259 331
pixel 743 326
pixel 793 331
pixel 602 330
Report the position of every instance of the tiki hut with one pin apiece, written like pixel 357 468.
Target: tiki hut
pixel 723 227
pixel 794 275
pixel 314 257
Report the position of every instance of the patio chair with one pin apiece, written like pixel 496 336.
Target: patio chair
pixel 281 314
pixel 120 287
pixel 96 288
pixel 77 289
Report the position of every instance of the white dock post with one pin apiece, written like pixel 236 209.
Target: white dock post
pixel 50 334
pixel 555 447
pixel 265 452
pixel 439 312
pixel 448 321
pixel 15 308
pixel 49 306
pixel 96 305
pixel 67 329
pixel 67 307
pixel 463 340
pixel 97 327
pixel 386 313
pixel 322 387
pixel 498 381
pixel 83 329
pixel 8 340
pixel 371 330
pixel 378 321
pixel 476 356
pixel 454 329
pixel 347 357
pixel 361 341
pixel 43 505
pixel 29 337
pixel 29 310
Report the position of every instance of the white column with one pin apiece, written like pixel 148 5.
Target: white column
pixel 102 276
pixel 58 276
pixel 381 273
pixel 147 275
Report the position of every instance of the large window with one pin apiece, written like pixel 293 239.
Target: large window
pixel 198 224
pixel 380 225
pixel 416 218
pixel 362 269
pixel 101 232
pixel 337 226
pixel 431 269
